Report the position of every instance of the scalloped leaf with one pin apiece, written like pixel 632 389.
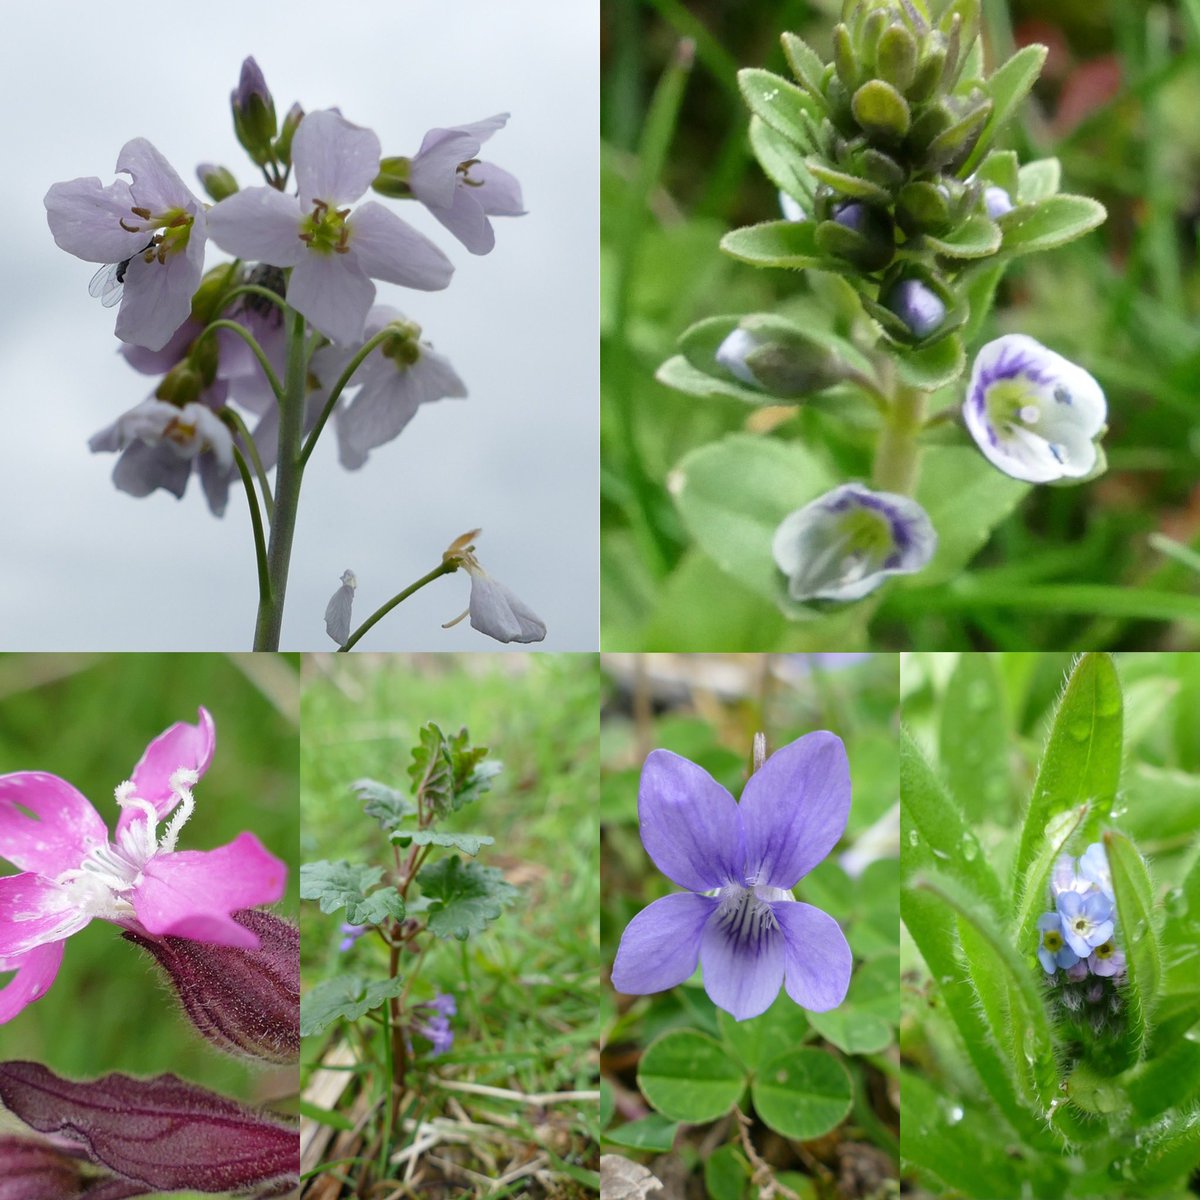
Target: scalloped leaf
pixel 468 843
pixel 337 885
pixel 463 898
pixel 345 997
pixel 387 805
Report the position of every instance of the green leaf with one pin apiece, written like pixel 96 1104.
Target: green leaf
pixel 1136 933
pixel 338 884
pixel 806 64
pixel 932 367
pixel 1165 1082
pixel 687 1076
pixel 779 244
pixel 973 739
pixel 376 908
pixel 846 184
pixel 447 772
pixel 345 996
pixel 388 806
pixel 1167 1155
pixel 1082 760
pixel 881 111
pixel 863 1022
pixel 977 237
pixel 966 498
pixel 783 166
pixel 1033 890
pixel 468 843
pixel 1049 223
pixel 1008 86
pixel 802 1093
pixel 654 1134
pixel 755 1041
pixel 684 376
pixel 1038 180
pixel 733 494
pixel 779 103
pixel 463 899
pixel 725 1174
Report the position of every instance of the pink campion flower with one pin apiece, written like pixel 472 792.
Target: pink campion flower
pixel 153 227
pixel 458 189
pixel 334 251
pixel 71 873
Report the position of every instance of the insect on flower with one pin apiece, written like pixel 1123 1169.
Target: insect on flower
pixel 109 282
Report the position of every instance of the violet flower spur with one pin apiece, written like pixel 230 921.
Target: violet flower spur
pixel 71 873
pixel 334 251
pixel 460 191
pixel 152 227
pixel 739 861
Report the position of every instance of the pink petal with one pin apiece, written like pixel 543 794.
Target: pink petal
pixel 163 1132
pixel 336 161
pixel 389 248
pixel 334 293
pixel 158 296
pixel 85 218
pixel 181 745
pixel 192 893
pixel 35 972
pixel 33 912
pixel 45 824
pixel 261 224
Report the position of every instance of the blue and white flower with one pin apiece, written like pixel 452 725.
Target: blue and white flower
pixel 1053 951
pixel 1086 920
pixel 844 544
pixel 1035 415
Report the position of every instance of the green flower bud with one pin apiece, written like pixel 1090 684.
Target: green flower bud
pixel 218 182
pixel 181 385
pixel 283 143
pixel 778 358
pixel 881 112
pixel 896 57
pixel 923 207
pixel 207 298
pixel 859 234
pixel 253 113
pixel 392 179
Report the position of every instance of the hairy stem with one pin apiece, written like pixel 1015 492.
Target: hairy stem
pixel 898 455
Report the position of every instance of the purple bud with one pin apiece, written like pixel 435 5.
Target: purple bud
pixel 437 1030
pixel 852 216
pixel 997 202
pixel 253 113
pixel 246 1002
pixel 33 1170
pixel 163 1133
pixel 251 84
pixel 918 306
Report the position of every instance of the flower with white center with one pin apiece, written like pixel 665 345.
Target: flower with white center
pixel 152 229
pixel 333 249
pixel 739 862
pixel 1086 920
pixel 1106 960
pixel 494 609
pixel 844 544
pixel 71 873
pixel 337 611
pixel 1053 951
pixel 160 444
pixel 397 377
pixel 1034 414
pixel 460 191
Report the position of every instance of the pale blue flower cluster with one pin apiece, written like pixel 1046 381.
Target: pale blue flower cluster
pixel 1078 936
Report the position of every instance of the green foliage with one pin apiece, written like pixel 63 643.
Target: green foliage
pixel 344 885
pixel 1094 1080
pixel 463 898
pixel 346 998
pixel 448 772
pixel 388 806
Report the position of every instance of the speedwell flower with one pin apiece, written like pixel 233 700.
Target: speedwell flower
pixel 847 542
pixel 1086 920
pixel 460 191
pixel 71 873
pixel 739 861
pixel 1034 414
pixel 152 229
pixel 334 251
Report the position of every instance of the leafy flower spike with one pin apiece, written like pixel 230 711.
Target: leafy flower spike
pixel 846 543
pixel 739 862
pixel 71 873
pixel 1034 414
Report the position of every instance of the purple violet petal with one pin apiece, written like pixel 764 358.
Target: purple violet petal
pixel 661 945
pixel 817 959
pixel 743 964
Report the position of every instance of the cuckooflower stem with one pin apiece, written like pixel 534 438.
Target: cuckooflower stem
pixel 251 341
pixel 443 568
pixel 235 422
pixel 260 544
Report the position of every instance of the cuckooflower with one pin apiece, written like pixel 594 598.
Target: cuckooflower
pixel 397 377
pixel 494 609
pixel 334 251
pixel 846 543
pixel 460 191
pixel 1086 920
pixel 152 229
pixel 1054 951
pixel 739 861
pixel 71 873
pixel 337 611
pixel 1034 414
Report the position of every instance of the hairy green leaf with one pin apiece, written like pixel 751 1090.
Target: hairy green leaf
pixel 345 996
pixel 463 897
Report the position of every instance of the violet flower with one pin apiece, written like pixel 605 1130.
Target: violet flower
pixel 739 861
pixel 844 544
pixel 460 191
pixel 1035 415
pixel 334 250
pixel 152 227
pixel 71 873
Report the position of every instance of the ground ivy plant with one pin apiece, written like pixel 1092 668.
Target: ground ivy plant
pixel 903 213
pixel 424 891
pixel 1050 1035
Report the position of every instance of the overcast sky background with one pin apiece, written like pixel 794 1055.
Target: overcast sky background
pixel 87 567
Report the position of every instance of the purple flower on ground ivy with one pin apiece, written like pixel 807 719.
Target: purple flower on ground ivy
pixel 1086 920
pixel 1034 414
pixel 350 933
pixel 846 543
pixel 397 377
pixel 334 251
pixel 460 191
pixel 1053 952
pixel 739 861
pixel 153 227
